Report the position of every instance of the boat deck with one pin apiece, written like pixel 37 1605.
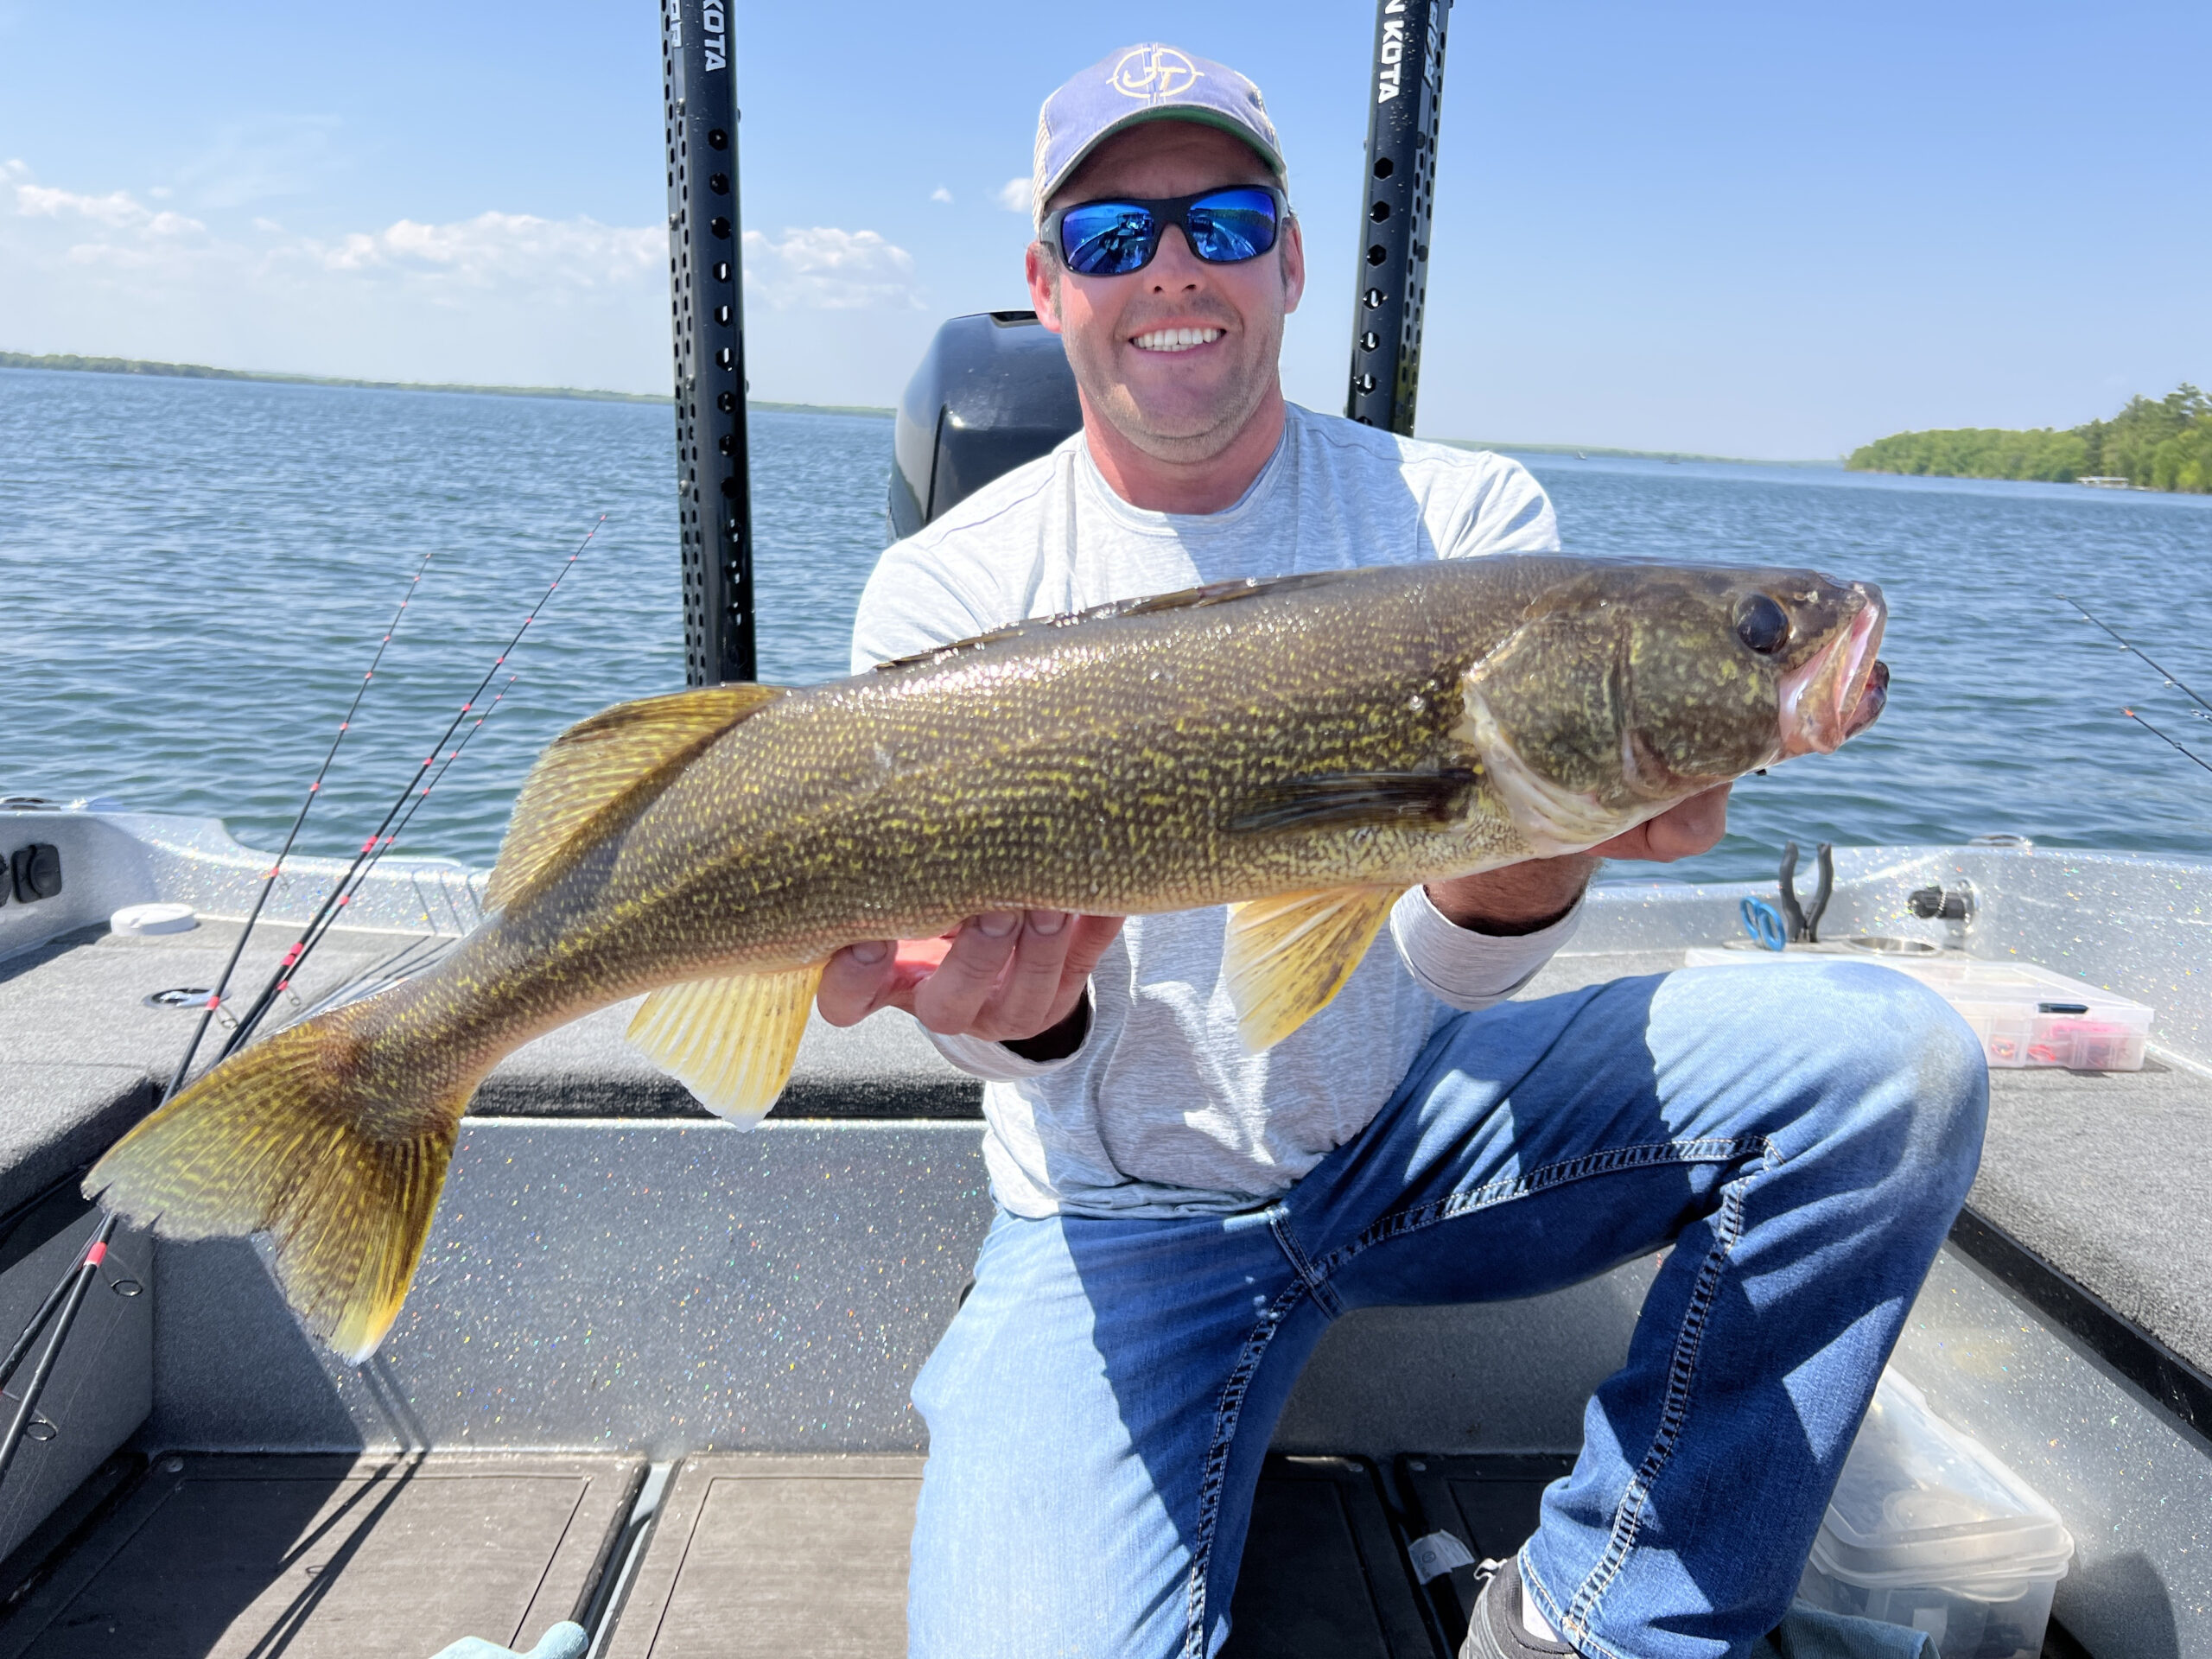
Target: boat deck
pixel 215 1557
pixel 199 1539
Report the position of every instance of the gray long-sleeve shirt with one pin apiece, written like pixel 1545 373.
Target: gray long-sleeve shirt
pixel 1163 1112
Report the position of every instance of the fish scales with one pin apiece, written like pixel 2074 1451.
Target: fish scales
pixel 1341 736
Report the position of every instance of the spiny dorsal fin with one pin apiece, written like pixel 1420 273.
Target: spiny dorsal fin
pixel 1183 598
pixel 1287 957
pixel 731 1042
pixel 604 767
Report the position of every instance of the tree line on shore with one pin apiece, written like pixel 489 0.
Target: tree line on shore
pixel 2163 443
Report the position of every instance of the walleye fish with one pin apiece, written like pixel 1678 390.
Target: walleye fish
pixel 1302 749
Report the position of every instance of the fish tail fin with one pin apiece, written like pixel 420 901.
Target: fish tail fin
pixel 340 1163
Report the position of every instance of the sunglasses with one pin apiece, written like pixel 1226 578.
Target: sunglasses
pixel 1112 238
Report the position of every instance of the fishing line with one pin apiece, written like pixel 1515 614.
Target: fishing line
pixel 384 842
pixel 2155 732
pixel 269 882
pixel 341 893
pixel 2171 679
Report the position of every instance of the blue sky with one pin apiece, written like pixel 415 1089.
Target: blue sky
pixel 1745 230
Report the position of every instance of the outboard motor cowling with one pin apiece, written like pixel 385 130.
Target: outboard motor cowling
pixel 994 390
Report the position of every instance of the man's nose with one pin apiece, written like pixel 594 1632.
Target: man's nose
pixel 1173 264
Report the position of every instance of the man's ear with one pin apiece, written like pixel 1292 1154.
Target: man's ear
pixel 1044 285
pixel 1293 265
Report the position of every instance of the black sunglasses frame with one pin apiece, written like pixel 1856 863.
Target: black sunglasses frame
pixel 1165 210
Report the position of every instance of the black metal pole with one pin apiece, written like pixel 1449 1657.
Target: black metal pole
pixel 1406 82
pixel 706 289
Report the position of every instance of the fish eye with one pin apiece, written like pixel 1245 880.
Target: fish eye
pixel 1762 624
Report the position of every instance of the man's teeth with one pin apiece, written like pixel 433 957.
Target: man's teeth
pixel 1175 339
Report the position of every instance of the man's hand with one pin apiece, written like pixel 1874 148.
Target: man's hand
pixel 1524 898
pixel 1003 977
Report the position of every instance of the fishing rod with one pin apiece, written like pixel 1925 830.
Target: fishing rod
pixel 269 882
pixel 341 893
pixel 68 1297
pixel 2156 733
pixel 385 842
pixel 2171 679
pixel 359 873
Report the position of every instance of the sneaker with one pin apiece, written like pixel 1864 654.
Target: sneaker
pixel 1496 1631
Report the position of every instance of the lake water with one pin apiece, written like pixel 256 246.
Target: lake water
pixel 194 575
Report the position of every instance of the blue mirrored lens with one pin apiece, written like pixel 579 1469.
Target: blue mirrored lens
pixel 1232 225
pixel 1106 238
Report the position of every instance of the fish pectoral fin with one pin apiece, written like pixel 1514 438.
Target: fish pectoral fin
pixel 1340 798
pixel 1287 957
pixel 606 768
pixel 732 1042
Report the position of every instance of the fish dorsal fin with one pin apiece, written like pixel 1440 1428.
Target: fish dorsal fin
pixel 607 766
pixel 1184 598
pixel 731 1042
pixel 1287 957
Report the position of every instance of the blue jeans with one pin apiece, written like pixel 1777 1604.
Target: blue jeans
pixel 1802 1137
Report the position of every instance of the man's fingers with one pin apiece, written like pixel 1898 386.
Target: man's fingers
pixel 949 999
pixel 1022 1003
pixel 856 982
pixel 1691 827
pixel 1092 935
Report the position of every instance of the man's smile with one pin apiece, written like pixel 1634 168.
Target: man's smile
pixel 1175 339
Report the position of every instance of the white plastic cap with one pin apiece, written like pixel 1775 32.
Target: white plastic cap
pixel 153 918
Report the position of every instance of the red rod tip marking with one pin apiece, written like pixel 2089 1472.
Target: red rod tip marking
pixel 97 1254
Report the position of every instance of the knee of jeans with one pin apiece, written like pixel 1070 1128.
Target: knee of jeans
pixel 1917 1062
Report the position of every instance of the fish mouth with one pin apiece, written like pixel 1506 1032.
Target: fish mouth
pixel 1840 691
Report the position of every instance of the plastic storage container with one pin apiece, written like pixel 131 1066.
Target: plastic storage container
pixel 1928 1530
pixel 2025 1015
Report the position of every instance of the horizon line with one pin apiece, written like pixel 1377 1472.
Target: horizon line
pixel 74 363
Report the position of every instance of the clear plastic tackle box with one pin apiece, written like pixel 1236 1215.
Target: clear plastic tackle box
pixel 2025 1014
pixel 1929 1530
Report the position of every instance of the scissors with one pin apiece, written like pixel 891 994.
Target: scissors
pixel 1764 923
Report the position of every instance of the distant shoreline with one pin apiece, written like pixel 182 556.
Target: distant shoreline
pixel 1584 450
pixel 71 364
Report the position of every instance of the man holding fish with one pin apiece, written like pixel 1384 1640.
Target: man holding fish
pixel 1137 679
pixel 1180 1218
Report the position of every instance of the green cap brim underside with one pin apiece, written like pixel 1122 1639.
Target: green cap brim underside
pixel 1173 112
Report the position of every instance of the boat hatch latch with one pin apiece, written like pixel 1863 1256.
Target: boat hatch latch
pixel 1934 904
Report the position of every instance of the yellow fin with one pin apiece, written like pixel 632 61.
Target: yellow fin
pixel 606 768
pixel 732 1042
pixel 1287 956
pixel 275 1140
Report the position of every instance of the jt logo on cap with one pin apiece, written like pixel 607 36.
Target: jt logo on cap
pixel 1154 72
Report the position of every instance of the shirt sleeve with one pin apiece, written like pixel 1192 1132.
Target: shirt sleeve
pixel 1464 969
pixel 996 1062
pixel 1504 510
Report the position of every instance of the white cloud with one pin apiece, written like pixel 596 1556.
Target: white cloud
pixel 498 251
pixel 827 270
pixel 499 298
pixel 941 194
pixel 115 210
pixel 1014 194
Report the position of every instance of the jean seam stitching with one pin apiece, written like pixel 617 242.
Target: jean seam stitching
pixel 1217 1465
pixel 1315 1281
pixel 1653 1154
pixel 1594 1646
pixel 1682 1370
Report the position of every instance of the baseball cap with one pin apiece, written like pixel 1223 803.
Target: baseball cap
pixel 1149 82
